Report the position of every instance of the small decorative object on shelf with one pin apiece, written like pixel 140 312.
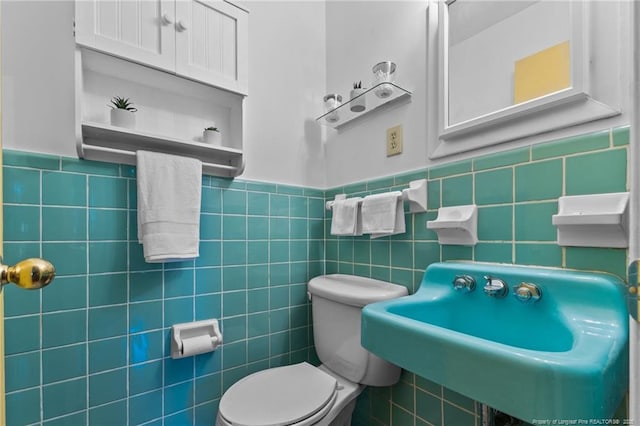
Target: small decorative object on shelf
pixel 212 135
pixel 123 112
pixel 331 102
pixel 384 72
pixel 359 104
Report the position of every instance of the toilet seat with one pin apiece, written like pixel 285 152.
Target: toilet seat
pixel 297 394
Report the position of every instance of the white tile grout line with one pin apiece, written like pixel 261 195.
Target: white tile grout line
pixel 164 362
pixel 128 352
pixel 513 212
pixel 87 254
pixel 127 247
pixel 41 316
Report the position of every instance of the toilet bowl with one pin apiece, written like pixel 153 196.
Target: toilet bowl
pixel 301 394
pixel 297 395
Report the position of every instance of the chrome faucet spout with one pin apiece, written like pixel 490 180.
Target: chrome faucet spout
pixel 495 287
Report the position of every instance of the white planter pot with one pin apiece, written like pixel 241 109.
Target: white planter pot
pixel 123 118
pixel 212 137
pixel 359 104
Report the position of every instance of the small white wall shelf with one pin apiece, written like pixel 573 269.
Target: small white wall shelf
pixel 172 114
pixel 456 225
pixel 342 115
pixel 103 142
pixel 598 220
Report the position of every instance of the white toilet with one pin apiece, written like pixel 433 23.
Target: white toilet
pixel 301 394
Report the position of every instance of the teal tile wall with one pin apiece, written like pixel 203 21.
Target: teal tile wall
pixel 516 193
pixel 93 347
pixel 100 331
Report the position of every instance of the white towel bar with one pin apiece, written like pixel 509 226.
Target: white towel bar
pixel 100 153
pixel 416 194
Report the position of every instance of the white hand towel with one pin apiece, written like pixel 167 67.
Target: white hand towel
pixel 169 191
pixel 383 214
pixel 346 218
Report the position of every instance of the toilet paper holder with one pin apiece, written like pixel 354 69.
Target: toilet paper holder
pixel 193 338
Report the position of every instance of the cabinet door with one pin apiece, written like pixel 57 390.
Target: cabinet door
pixel 211 43
pixel 139 30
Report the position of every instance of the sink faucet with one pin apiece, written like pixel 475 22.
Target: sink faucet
pixel 527 292
pixel 495 287
pixel 464 283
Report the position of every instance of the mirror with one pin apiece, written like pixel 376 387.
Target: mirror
pixel 511 69
pixel 488 72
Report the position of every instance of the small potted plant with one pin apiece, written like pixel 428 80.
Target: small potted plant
pixel 359 104
pixel 123 112
pixel 212 135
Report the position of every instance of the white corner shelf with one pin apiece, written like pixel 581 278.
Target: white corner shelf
pixel 103 142
pixel 342 115
pixel 596 220
pixel 456 225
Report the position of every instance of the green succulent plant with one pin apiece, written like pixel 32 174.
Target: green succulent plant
pixel 215 129
pixel 357 85
pixel 118 102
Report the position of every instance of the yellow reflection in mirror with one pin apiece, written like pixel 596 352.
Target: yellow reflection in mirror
pixel 547 71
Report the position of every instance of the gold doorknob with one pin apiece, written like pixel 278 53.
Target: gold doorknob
pixel 30 274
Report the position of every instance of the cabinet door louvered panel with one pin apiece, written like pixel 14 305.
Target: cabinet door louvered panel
pixel 139 30
pixel 211 43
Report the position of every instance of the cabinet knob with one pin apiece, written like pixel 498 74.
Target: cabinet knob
pixel 166 19
pixel 180 26
pixel 30 274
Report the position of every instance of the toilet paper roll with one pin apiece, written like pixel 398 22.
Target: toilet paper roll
pixel 197 345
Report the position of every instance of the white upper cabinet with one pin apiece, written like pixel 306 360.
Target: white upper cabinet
pixel 211 43
pixel 204 40
pixel 141 30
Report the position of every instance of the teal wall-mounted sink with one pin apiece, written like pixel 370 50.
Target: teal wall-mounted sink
pixel 562 357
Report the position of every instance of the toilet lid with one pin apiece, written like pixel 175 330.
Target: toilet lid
pixel 278 396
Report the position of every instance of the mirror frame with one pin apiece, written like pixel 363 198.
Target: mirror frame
pixel 565 108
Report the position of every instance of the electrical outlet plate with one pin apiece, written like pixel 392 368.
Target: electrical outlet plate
pixel 394 140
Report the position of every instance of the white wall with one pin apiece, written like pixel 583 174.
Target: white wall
pixel 37 76
pixel 359 35
pixel 299 51
pixel 286 79
pixel 286 85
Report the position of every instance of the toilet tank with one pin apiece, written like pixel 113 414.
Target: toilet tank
pixel 337 301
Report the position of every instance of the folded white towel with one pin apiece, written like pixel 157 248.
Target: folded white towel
pixel 347 217
pixel 169 191
pixel 383 214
